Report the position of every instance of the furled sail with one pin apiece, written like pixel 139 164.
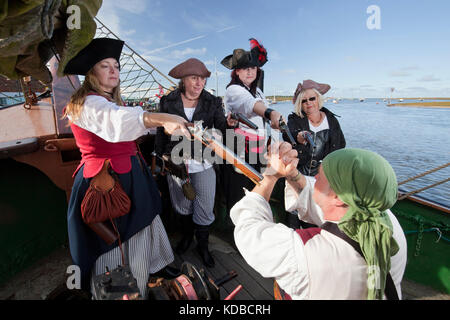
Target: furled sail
pixel 31 30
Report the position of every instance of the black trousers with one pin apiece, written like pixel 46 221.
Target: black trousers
pixel 233 184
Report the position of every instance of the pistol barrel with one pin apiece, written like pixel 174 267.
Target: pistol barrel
pixel 243 119
pixel 285 129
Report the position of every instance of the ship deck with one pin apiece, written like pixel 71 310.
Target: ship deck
pixel 49 273
pixel 227 258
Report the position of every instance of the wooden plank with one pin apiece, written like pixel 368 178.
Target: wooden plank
pixel 17 123
pixel 244 294
pixel 255 287
pixel 266 283
pixel 191 256
pixel 248 280
pixel 215 273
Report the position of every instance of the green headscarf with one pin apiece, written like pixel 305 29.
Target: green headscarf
pixel 366 182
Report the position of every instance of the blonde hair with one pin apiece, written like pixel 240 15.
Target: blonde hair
pixel 298 102
pixel 90 84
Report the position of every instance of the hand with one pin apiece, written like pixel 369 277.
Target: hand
pixel 172 124
pixel 275 119
pixel 282 160
pixel 175 125
pixel 301 137
pixel 231 122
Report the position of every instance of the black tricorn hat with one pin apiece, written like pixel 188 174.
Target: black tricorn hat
pixel 97 50
pixel 240 59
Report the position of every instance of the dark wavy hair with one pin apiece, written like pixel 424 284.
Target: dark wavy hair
pixel 235 80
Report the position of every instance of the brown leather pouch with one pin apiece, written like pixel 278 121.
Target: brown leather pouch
pixel 105 199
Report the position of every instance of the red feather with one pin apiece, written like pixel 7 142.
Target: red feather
pixel 262 52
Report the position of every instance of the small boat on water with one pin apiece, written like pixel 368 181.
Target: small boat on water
pixel 38 156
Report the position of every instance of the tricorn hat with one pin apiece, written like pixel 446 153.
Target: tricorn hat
pixel 97 50
pixel 191 67
pixel 240 59
pixel 310 84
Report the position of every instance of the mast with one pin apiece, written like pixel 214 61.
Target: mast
pixel 217 79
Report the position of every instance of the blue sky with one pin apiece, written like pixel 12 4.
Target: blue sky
pixel 327 41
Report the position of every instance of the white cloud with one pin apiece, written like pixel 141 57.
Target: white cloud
pixel 132 6
pixel 110 10
pixel 404 71
pixel 153 58
pixel 429 78
pixel 179 54
pixel 203 21
pixel 289 71
pixel 129 32
pixel 176 44
pixel 226 29
pixel 399 73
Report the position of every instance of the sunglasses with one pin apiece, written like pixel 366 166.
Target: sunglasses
pixel 310 99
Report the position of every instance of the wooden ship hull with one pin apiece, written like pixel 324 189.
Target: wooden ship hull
pixel 38 156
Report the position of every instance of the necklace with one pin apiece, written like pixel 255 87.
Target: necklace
pixel 317 122
pixel 195 99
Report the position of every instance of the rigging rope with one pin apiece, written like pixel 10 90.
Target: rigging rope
pixel 425 173
pixel 138 77
pixel 402 196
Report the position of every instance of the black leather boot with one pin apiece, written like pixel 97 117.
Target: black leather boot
pixel 187 228
pixel 202 235
pixel 167 272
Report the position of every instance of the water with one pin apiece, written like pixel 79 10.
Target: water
pixel 413 140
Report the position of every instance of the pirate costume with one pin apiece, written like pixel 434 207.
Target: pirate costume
pixel 197 212
pixel 239 98
pixel 103 132
pixel 327 137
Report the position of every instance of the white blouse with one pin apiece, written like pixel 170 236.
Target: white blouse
pixel 193 165
pixel 313 265
pixel 238 99
pixel 109 121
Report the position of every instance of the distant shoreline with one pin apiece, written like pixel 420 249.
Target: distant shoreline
pixel 420 98
pixel 437 104
pixel 442 102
